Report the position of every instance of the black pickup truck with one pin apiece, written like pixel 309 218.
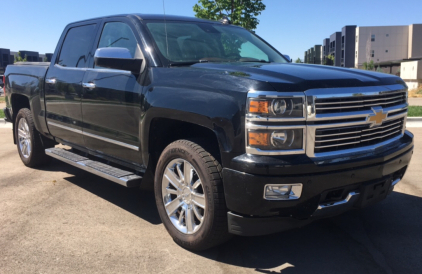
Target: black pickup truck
pixel 234 137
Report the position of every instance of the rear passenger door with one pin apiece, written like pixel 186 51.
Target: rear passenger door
pixel 111 105
pixel 63 87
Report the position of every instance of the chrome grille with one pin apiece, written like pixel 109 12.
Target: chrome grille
pixel 333 139
pixel 358 103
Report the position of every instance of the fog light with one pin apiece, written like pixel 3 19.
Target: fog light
pixel 283 192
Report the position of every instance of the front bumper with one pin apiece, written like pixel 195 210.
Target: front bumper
pixel 250 214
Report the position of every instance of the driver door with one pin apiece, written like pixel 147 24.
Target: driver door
pixel 111 105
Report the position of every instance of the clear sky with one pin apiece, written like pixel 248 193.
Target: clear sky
pixel 290 26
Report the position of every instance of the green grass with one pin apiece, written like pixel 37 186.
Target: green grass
pixel 415 111
pixel 1 113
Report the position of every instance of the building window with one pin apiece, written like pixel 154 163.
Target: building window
pixel 372 53
pixel 373 38
pixel 386 35
pixel 356 55
pixel 386 50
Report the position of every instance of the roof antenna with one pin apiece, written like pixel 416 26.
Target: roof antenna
pixel 165 29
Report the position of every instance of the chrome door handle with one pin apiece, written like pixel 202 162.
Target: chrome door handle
pixel 50 81
pixel 88 85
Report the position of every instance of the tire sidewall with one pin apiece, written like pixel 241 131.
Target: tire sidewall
pixel 187 153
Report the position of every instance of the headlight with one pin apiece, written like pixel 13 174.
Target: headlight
pixel 279 107
pixel 282 139
pixel 275 123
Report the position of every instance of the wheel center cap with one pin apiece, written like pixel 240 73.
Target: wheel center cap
pixel 187 196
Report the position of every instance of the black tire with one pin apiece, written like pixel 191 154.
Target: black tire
pixel 37 156
pixel 214 229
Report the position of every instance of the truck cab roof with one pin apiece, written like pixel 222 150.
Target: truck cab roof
pixel 161 17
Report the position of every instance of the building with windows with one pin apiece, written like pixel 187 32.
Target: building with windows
pixel 5 59
pixel 335 47
pixel 313 55
pixel 347 53
pixel 387 44
pixel 8 57
pixel 325 51
pixel 31 56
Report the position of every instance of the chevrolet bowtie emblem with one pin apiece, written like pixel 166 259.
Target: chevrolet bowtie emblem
pixel 377 118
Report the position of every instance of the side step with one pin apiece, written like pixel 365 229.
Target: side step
pixel 122 177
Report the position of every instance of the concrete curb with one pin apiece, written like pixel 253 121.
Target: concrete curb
pixel 414 119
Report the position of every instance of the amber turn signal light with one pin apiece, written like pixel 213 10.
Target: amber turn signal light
pixel 259 106
pixel 258 138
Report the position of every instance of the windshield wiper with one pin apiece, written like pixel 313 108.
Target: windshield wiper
pixel 181 64
pixel 255 61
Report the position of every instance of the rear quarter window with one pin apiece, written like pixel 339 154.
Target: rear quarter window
pixel 76 46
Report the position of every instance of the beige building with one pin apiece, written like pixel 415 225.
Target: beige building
pixel 387 43
pixel 411 73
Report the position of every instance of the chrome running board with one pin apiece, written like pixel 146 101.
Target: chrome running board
pixel 122 177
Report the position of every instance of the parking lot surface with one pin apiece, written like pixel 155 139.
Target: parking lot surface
pixel 60 219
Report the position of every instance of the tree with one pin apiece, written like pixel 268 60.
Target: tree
pixel 329 60
pixel 19 58
pixel 298 60
pixel 371 65
pixel 368 65
pixel 240 12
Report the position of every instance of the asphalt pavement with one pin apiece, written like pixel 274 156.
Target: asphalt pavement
pixel 60 219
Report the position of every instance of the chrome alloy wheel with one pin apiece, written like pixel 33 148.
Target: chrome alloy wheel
pixel 24 138
pixel 183 196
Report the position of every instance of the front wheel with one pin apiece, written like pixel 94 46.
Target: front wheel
pixel 190 197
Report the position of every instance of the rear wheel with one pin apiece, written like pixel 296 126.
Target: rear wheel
pixel 189 196
pixel 29 144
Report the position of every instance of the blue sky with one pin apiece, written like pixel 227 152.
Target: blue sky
pixel 290 26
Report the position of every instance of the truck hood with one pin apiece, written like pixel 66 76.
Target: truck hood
pixel 301 77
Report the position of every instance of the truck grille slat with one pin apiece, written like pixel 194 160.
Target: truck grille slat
pixel 384 131
pixel 379 137
pixel 376 128
pixel 328 139
pixel 336 145
pixel 358 103
pixel 364 105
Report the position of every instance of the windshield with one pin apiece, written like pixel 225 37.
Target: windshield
pixel 204 42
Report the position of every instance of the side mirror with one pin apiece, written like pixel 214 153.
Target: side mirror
pixel 117 58
pixel 288 58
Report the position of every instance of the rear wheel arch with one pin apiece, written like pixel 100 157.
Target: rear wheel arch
pixel 19 101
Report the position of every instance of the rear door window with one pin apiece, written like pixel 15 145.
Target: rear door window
pixel 76 46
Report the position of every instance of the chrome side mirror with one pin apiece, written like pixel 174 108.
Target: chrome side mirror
pixel 117 58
